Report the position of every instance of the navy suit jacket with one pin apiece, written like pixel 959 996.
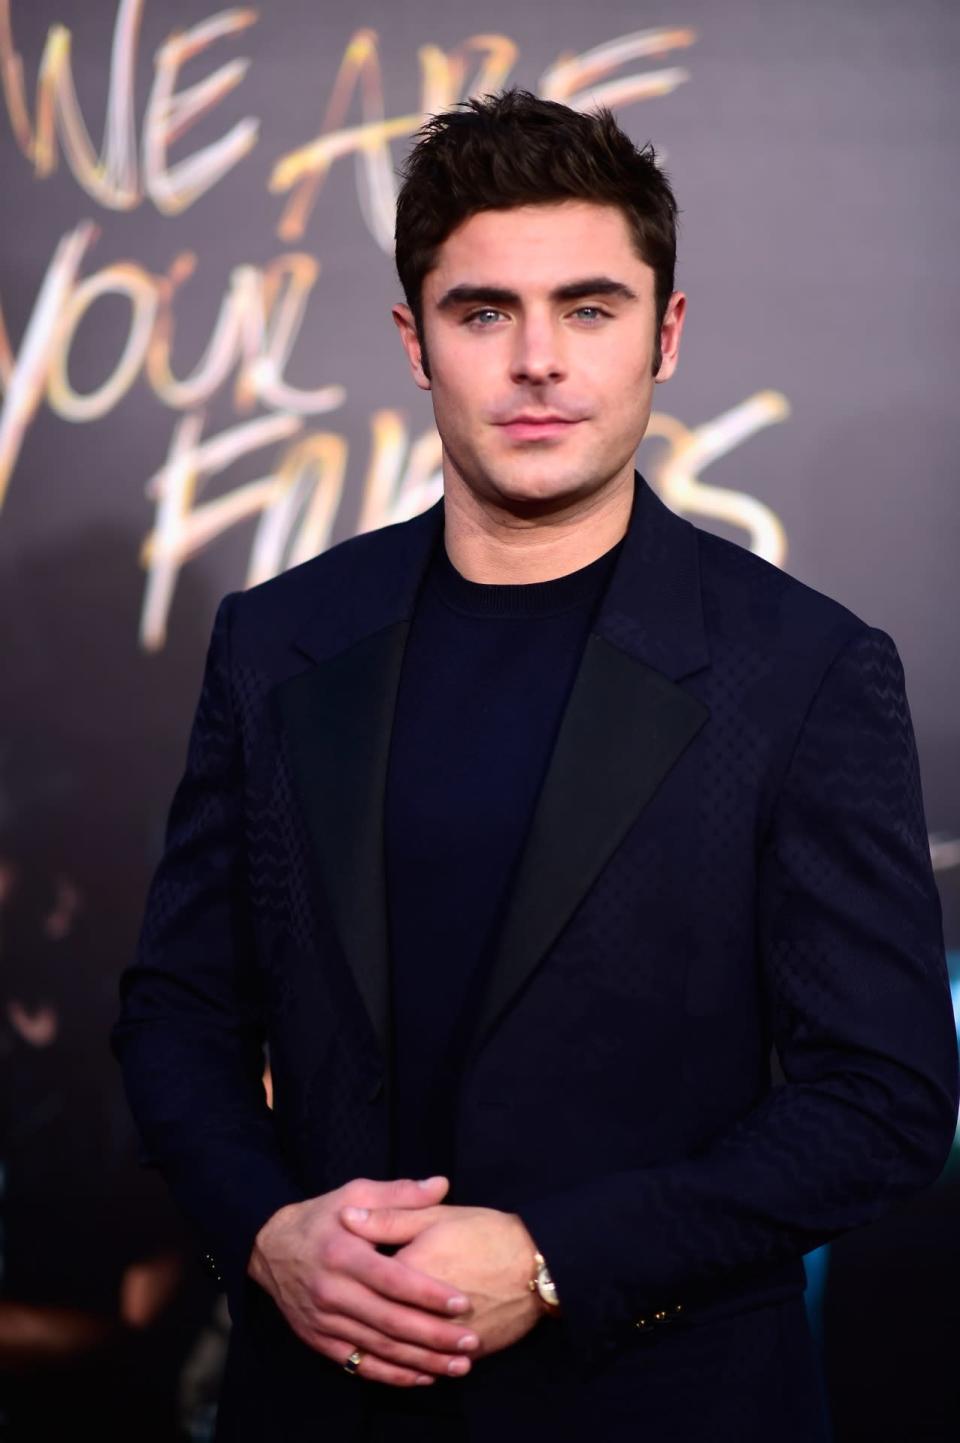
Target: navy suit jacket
pixel 727 865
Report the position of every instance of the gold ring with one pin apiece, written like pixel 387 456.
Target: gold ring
pixel 353 1362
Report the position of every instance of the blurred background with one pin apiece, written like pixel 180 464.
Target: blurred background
pixel 200 385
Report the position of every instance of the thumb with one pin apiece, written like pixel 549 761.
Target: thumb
pixel 387 1225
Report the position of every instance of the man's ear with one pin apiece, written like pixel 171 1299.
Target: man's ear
pixel 411 344
pixel 670 332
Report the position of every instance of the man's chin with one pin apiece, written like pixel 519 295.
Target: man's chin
pixel 543 498
pixel 537 490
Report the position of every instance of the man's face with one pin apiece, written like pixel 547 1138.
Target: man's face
pixel 539 323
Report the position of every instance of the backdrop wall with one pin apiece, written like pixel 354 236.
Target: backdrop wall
pixel 200 385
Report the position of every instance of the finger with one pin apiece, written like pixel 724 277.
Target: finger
pixel 405 1325
pixel 374 1369
pixel 403 1192
pixel 386 1224
pixel 356 1260
pixel 392 1278
pixel 390 1350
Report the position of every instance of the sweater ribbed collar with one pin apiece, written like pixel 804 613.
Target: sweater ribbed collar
pixel 524 599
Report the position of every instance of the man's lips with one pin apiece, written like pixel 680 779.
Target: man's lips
pixel 529 427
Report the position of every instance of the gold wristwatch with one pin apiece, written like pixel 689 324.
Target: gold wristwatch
pixel 542 1283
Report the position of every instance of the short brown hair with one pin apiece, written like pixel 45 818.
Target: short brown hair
pixel 513 148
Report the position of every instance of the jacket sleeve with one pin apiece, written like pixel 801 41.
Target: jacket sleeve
pixel 851 951
pixel 189 1037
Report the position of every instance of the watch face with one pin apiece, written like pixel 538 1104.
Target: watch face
pixel 545 1286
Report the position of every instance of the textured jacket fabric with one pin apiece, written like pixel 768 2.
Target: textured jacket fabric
pixel 716 1033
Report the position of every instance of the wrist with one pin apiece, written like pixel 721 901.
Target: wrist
pixel 258 1267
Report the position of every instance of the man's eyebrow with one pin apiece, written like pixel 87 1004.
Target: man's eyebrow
pixel 594 286
pixel 500 296
pixel 489 295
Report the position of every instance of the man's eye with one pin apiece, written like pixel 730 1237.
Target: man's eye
pixel 595 309
pixel 475 315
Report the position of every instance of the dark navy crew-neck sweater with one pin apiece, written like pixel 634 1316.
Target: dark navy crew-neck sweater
pixel 486 675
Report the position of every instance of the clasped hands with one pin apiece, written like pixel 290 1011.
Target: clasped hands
pixel 319 1262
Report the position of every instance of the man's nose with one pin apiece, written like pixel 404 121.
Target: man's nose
pixel 538 352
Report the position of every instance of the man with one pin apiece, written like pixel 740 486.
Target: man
pixel 523 832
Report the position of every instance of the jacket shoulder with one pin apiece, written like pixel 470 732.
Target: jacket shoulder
pixel 296 589
pixel 270 614
pixel 747 597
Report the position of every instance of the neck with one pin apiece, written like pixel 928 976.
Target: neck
pixel 490 543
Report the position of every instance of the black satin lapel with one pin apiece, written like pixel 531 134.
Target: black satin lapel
pixel 338 718
pixel 624 727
